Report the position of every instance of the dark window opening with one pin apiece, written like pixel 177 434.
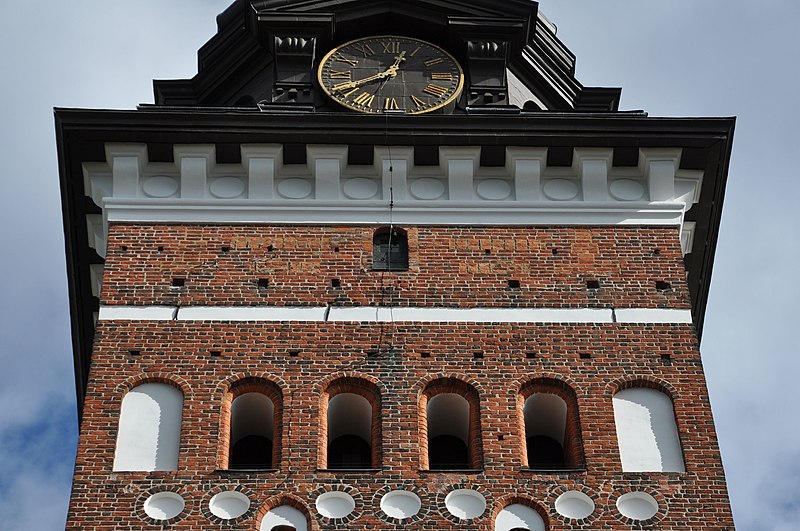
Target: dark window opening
pixel 251 436
pixel 545 452
pixel 349 452
pixel 390 250
pixel 447 452
pixel 284 528
pixel 662 285
pixel 253 451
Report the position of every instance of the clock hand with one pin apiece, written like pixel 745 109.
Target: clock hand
pixel 389 72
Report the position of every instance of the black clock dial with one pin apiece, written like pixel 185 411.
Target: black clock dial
pixel 387 72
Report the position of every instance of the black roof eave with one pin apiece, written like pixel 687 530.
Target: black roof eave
pixel 81 135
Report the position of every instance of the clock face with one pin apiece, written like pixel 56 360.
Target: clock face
pixel 391 73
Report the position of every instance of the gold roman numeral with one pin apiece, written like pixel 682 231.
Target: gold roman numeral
pixel 343 59
pixel 347 94
pixel 365 49
pixel 445 76
pixel 364 99
pixel 412 54
pixel 391 47
pixel 390 104
pixel 435 90
pixel 344 74
pixel 418 102
pixel 435 61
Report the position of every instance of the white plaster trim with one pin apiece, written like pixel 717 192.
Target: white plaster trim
pixel 653 315
pixel 472 315
pixel 399 314
pixel 251 313
pixel 136 313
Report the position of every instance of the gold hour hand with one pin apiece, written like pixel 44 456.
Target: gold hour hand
pixel 389 72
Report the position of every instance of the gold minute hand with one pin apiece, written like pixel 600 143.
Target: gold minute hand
pixel 389 72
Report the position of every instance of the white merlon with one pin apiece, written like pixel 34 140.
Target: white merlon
pixel 385 314
pixel 326 190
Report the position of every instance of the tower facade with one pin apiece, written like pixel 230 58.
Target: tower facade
pixel 383 266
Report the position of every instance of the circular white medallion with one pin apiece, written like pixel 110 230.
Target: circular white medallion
pixel 294 188
pixel 427 188
pixel 400 504
pixel 164 505
pixel 160 186
pixel 637 505
pixel 227 187
pixel 626 189
pixel 574 504
pixel 229 504
pixel 560 189
pixel 335 504
pixel 465 504
pixel 360 188
pixel 494 189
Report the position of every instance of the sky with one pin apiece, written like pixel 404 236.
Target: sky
pixel 676 58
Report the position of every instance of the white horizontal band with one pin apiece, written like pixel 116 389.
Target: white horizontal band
pixel 399 314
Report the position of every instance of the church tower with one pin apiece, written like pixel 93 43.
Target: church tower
pixel 389 265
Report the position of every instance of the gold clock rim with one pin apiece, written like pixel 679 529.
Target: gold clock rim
pixel 448 101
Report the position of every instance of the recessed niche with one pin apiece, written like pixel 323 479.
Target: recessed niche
pixel 637 505
pixel 164 505
pixel 465 504
pixel 574 504
pixel 518 517
pixel 401 504
pixel 335 504
pixel 229 504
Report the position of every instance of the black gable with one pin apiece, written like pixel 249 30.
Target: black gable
pixel 267 52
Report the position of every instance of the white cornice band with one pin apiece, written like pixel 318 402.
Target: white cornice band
pixel 394 314
pixel 326 190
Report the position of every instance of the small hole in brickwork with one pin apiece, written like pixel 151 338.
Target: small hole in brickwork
pixel 178 282
pixel 336 283
pixel 530 355
pixel 160 248
pixel 123 248
pixel 662 286
pixel 335 249
pixel 270 248
pixel 666 357
pixel 424 354
pixel 585 355
pixel 656 252
pixel 592 284
pixel 226 249
pixel 487 251
pixel 215 353
pixel 294 353
pixel 263 283
pixel 513 284
pixel 500 437
pixel 372 353
pixel 478 354
pixel 555 252
pixel 133 352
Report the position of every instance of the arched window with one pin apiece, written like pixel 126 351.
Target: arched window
pixel 519 517
pixel 646 431
pixel 284 518
pixel 251 437
pixel 352 418
pixel 552 426
pixel 452 426
pixel 149 429
pixel 252 428
pixel 390 249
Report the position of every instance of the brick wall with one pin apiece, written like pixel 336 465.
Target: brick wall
pixel 301 361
